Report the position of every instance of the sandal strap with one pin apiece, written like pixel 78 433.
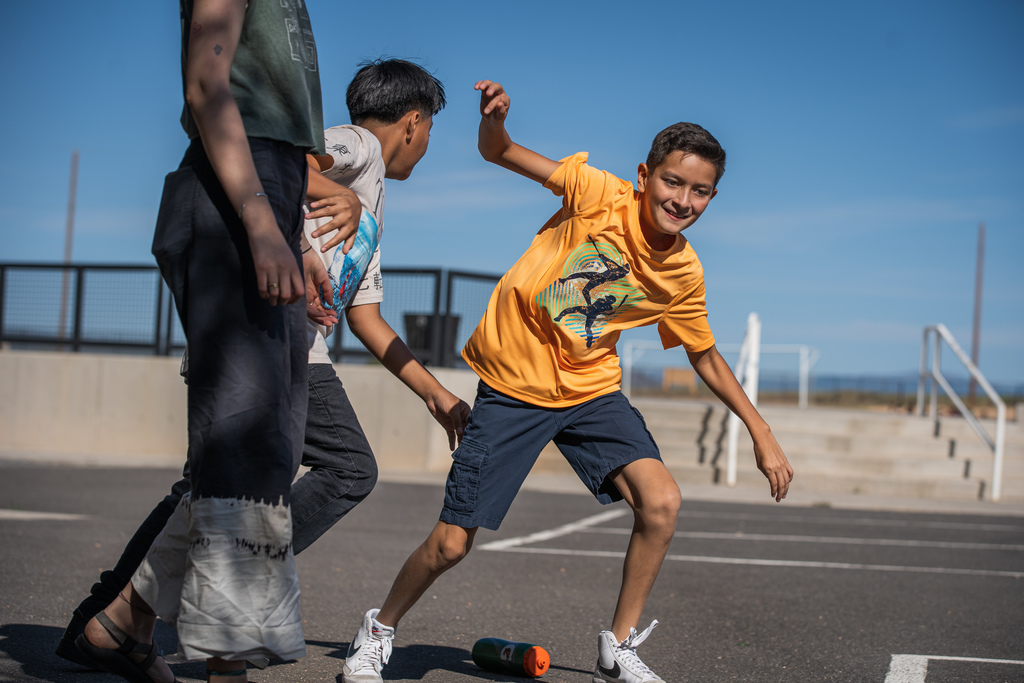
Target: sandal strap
pixel 128 645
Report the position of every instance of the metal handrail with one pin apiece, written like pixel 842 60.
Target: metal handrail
pixel 938 380
pixel 747 374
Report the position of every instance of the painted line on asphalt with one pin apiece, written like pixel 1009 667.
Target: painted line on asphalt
pixel 563 530
pixel 766 563
pixel 33 516
pixel 858 521
pixel 914 668
pixel 743 536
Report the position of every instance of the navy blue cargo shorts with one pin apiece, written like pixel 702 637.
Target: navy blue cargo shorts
pixel 504 436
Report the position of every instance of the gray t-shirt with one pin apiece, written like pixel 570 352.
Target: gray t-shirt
pixel 275 77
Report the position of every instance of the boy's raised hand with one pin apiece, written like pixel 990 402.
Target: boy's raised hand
pixel 494 102
pixel 494 143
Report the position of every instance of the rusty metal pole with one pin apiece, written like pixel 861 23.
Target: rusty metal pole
pixel 69 231
pixel 972 388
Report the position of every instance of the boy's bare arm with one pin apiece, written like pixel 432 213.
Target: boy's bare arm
pixel 494 142
pixel 215 31
pixel 329 199
pixel 772 462
pixel 376 335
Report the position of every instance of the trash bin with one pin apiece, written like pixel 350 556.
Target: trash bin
pixel 419 337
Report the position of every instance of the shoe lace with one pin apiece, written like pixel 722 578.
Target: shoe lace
pixel 374 653
pixel 627 650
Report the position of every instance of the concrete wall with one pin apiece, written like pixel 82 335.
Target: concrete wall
pixel 117 410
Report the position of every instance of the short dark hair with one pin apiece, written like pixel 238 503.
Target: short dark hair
pixel 387 89
pixel 688 138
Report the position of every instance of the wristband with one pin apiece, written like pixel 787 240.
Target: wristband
pixel 309 248
pixel 242 207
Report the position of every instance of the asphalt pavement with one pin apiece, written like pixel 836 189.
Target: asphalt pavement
pixel 801 591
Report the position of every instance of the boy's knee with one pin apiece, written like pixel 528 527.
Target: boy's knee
pixel 661 506
pixel 451 544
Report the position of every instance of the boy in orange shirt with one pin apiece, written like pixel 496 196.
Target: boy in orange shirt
pixel 612 258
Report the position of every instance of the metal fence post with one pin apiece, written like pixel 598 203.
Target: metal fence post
pixel 159 316
pixel 76 338
pixel 3 282
pixel 922 375
pixel 436 333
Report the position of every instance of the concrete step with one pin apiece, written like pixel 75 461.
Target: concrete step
pixel 832 450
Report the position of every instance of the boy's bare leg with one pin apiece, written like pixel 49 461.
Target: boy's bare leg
pixel 648 488
pixel 444 548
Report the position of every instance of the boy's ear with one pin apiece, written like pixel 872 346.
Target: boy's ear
pixel 641 177
pixel 412 119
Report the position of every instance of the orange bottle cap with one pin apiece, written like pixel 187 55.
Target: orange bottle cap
pixel 536 661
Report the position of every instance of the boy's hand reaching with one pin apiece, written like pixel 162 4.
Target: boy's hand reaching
pixel 317 281
pixel 773 464
pixel 494 102
pixel 451 412
pixel 344 211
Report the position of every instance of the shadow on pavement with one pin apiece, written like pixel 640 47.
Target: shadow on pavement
pixel 414 662
pixel 32 647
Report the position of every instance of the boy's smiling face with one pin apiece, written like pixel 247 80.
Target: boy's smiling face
pixel 673 196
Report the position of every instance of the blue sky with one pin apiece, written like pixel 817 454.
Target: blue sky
pixel 866 142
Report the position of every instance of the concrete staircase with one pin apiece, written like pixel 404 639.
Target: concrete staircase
pixel 834 451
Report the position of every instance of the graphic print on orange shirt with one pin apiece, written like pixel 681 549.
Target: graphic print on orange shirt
pixel 593 290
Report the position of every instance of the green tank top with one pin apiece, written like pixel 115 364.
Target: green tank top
pixel 275 77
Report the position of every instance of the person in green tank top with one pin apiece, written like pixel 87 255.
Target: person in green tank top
pixel 227 241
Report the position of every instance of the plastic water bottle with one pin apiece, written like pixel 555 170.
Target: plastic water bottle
pixel 507 657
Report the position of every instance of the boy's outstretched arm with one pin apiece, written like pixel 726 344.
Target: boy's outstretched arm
pixel 494 142
pixel 772 462
pixel 373 331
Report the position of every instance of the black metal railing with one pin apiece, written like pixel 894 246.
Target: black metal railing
pixel 127 308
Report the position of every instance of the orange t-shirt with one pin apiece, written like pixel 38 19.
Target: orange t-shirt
pixel 548 335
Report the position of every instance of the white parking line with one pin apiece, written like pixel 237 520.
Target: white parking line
pixel 32 516
pixel 914 668
pixel 741 536
pixel 853 521
pixel 563 530
pixel 517 545
pixel 767 563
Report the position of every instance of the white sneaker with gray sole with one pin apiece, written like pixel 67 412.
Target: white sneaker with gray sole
pixel 618 662
pixel 369 651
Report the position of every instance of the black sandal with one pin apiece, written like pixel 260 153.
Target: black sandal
pixel 118 660
pixel 236 672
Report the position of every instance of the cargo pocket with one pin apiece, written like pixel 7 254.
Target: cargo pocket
pixel 461 491
pixel 175 232
pixel 643 423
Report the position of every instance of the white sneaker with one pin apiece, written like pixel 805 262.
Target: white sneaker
pixel 369 651
pixel 618 662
